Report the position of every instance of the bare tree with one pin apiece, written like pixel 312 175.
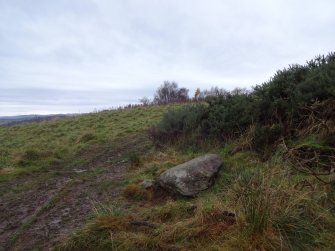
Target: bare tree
pixel 145 101
pixel 239 91
pixel 213 92
pixel 182 95
pixel 170 92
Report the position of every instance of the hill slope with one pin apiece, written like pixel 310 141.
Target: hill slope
pixel 72 184
pixel 53 173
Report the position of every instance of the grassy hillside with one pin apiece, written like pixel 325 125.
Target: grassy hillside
pixel 53 173
pixel 29 147
pixel 253 205
pixel 73 183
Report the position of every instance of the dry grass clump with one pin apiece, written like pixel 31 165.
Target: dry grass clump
pixel 134 159
pixel 174 225
pixel 135 192
pixel 172 211
pixel 190 225
pixel 113 223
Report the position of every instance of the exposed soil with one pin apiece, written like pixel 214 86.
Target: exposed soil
pixel 16 209
pixel 38 211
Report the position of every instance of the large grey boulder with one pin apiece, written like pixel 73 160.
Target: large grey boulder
pixel 191 177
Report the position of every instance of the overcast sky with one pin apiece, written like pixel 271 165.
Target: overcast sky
pixel 65 56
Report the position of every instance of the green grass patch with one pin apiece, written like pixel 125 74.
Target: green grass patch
pixel 43 144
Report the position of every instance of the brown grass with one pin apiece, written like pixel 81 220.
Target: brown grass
pixel 135 192
pixel 113 223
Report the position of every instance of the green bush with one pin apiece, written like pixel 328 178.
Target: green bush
pixel 178 123
pixel 276 108
pixel 265 136
pixel 281 99
pixel 228 115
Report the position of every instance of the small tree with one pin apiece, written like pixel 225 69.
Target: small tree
pixel 182 95
pixel 145 101
pixel 170 92
pixel 213 92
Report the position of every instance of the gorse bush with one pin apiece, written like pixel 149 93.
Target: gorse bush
pixel 178 123
pixel 282 97
pixel 228 115
pixel 265 136
pixel 276 108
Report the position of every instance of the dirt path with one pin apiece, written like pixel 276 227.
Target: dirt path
pixel 17 209
pixel 38 211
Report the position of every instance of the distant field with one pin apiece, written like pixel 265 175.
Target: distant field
pixel 12 120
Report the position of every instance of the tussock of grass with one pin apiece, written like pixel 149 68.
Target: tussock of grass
pixel 172 211
pixel 87 137
pixel 135 160
pixel 135 192
pixel 273 215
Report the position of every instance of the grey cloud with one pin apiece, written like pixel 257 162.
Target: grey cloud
pixel 34 96
pixel 65 101
pixel 95 46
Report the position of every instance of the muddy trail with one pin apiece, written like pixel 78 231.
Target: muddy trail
pixel 40 210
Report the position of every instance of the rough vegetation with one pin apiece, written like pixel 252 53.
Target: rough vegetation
pixel 299 97
pixel 53 173
pixel 275 191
